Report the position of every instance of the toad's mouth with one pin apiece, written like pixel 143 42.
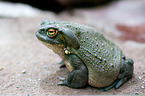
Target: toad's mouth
pixel 51 46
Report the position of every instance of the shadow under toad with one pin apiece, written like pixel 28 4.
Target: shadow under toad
pixel 49 84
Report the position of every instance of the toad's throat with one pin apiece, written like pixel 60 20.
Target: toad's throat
pixel 57 48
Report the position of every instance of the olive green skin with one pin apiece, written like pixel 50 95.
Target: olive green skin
pixel 101 57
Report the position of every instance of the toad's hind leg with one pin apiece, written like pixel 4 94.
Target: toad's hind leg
pixel 126 72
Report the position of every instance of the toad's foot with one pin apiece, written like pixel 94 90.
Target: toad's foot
pixel 63 82
pixel 62 65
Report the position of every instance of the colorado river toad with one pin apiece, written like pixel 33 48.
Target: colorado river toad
pixel 88 55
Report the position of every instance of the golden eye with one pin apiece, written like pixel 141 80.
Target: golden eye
pixel 52 32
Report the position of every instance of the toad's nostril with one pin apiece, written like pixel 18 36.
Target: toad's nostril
pixel 39 31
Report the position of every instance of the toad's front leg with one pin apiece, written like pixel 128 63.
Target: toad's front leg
pixel 78 77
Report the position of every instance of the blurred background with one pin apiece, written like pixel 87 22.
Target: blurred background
pixel 60 5
pixel 28 67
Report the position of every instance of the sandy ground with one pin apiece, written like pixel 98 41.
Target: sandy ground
pixel 28 67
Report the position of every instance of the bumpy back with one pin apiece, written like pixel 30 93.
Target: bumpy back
pixel 101 56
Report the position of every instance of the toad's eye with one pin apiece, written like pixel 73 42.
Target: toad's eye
pixel 52 32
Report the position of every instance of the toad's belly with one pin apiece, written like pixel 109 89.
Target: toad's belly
pixel 98 81
pixel 101 78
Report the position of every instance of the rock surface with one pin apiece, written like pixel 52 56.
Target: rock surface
pixel 28 67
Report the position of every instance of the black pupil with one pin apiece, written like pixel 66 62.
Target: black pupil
pixel 51 31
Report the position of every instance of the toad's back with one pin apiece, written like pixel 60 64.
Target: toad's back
pixel 102 57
